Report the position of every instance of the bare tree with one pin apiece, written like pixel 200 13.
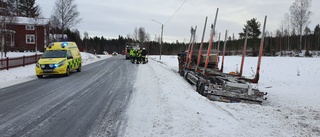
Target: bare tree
pixel 287 30
pixel 54 25
pixel 86 37
pixel 281 31
pixel 300 16
pixel 135 34
pixel 129 36
pixel 67 13
pixel 6 17
pixel 278 35
pixel 148 37
pixel 143 36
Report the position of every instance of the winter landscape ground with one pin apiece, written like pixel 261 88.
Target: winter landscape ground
pixel 164 104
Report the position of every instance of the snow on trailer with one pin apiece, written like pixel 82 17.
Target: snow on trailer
pixel 210 81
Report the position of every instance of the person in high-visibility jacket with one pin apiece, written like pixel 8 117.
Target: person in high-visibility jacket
pixel 132 55
pixel 144 53
pixel 138 55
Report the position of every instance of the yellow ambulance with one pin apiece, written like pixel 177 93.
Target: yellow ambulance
pixel 59 58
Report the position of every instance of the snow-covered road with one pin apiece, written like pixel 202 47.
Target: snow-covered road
pixel 87 103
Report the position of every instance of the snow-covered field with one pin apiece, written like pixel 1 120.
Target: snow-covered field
pixel 164 104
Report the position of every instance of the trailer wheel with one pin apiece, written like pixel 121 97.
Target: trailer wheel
pixel 201 90
pixel 185 76
pixel 197 86
pixel 181 73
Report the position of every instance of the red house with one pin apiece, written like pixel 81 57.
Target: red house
pixel 27 34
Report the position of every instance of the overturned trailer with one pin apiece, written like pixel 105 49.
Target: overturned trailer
pixel 202 71
pixel 219 86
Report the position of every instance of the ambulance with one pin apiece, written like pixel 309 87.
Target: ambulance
pixel 59 58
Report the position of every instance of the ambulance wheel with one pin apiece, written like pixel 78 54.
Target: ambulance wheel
pixel 67 71
pixel 79 69
pixel 40 76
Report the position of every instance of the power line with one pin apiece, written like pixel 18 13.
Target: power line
pixel 176 12
pixel 172 15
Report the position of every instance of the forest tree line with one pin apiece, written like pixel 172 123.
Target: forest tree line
pixel 272 43
pixel 293 34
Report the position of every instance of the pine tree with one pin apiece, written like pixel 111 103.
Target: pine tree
pixel 7 7
pixel 253 33
pixel 254 29
pixel 27 8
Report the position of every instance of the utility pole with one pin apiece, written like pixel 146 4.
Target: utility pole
pixel 161 40
pixel 35 32
pixel 161 36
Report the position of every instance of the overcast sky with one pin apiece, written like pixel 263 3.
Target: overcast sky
pixel 111 18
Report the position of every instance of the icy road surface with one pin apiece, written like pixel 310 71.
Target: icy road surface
pixel 87 103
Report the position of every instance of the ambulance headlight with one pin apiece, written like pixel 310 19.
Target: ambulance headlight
pixel 51 65
pixel 43 66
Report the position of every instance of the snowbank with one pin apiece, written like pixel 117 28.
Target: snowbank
pixel 22 74
pixel 163 104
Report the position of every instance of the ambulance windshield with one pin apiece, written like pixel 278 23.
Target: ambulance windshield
pixel 54 54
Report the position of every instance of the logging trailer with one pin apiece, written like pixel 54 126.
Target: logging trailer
pixel 200 68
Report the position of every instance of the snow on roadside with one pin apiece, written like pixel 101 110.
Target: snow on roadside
pixel 88 58
pixel 163 104
pixel 169 61
pixel 22 74
pixel 17 75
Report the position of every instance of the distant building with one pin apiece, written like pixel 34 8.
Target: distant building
pixel 26 33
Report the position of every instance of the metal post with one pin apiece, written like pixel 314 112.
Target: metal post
pixel 161 41
pixel 211 39
pixel 36 38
